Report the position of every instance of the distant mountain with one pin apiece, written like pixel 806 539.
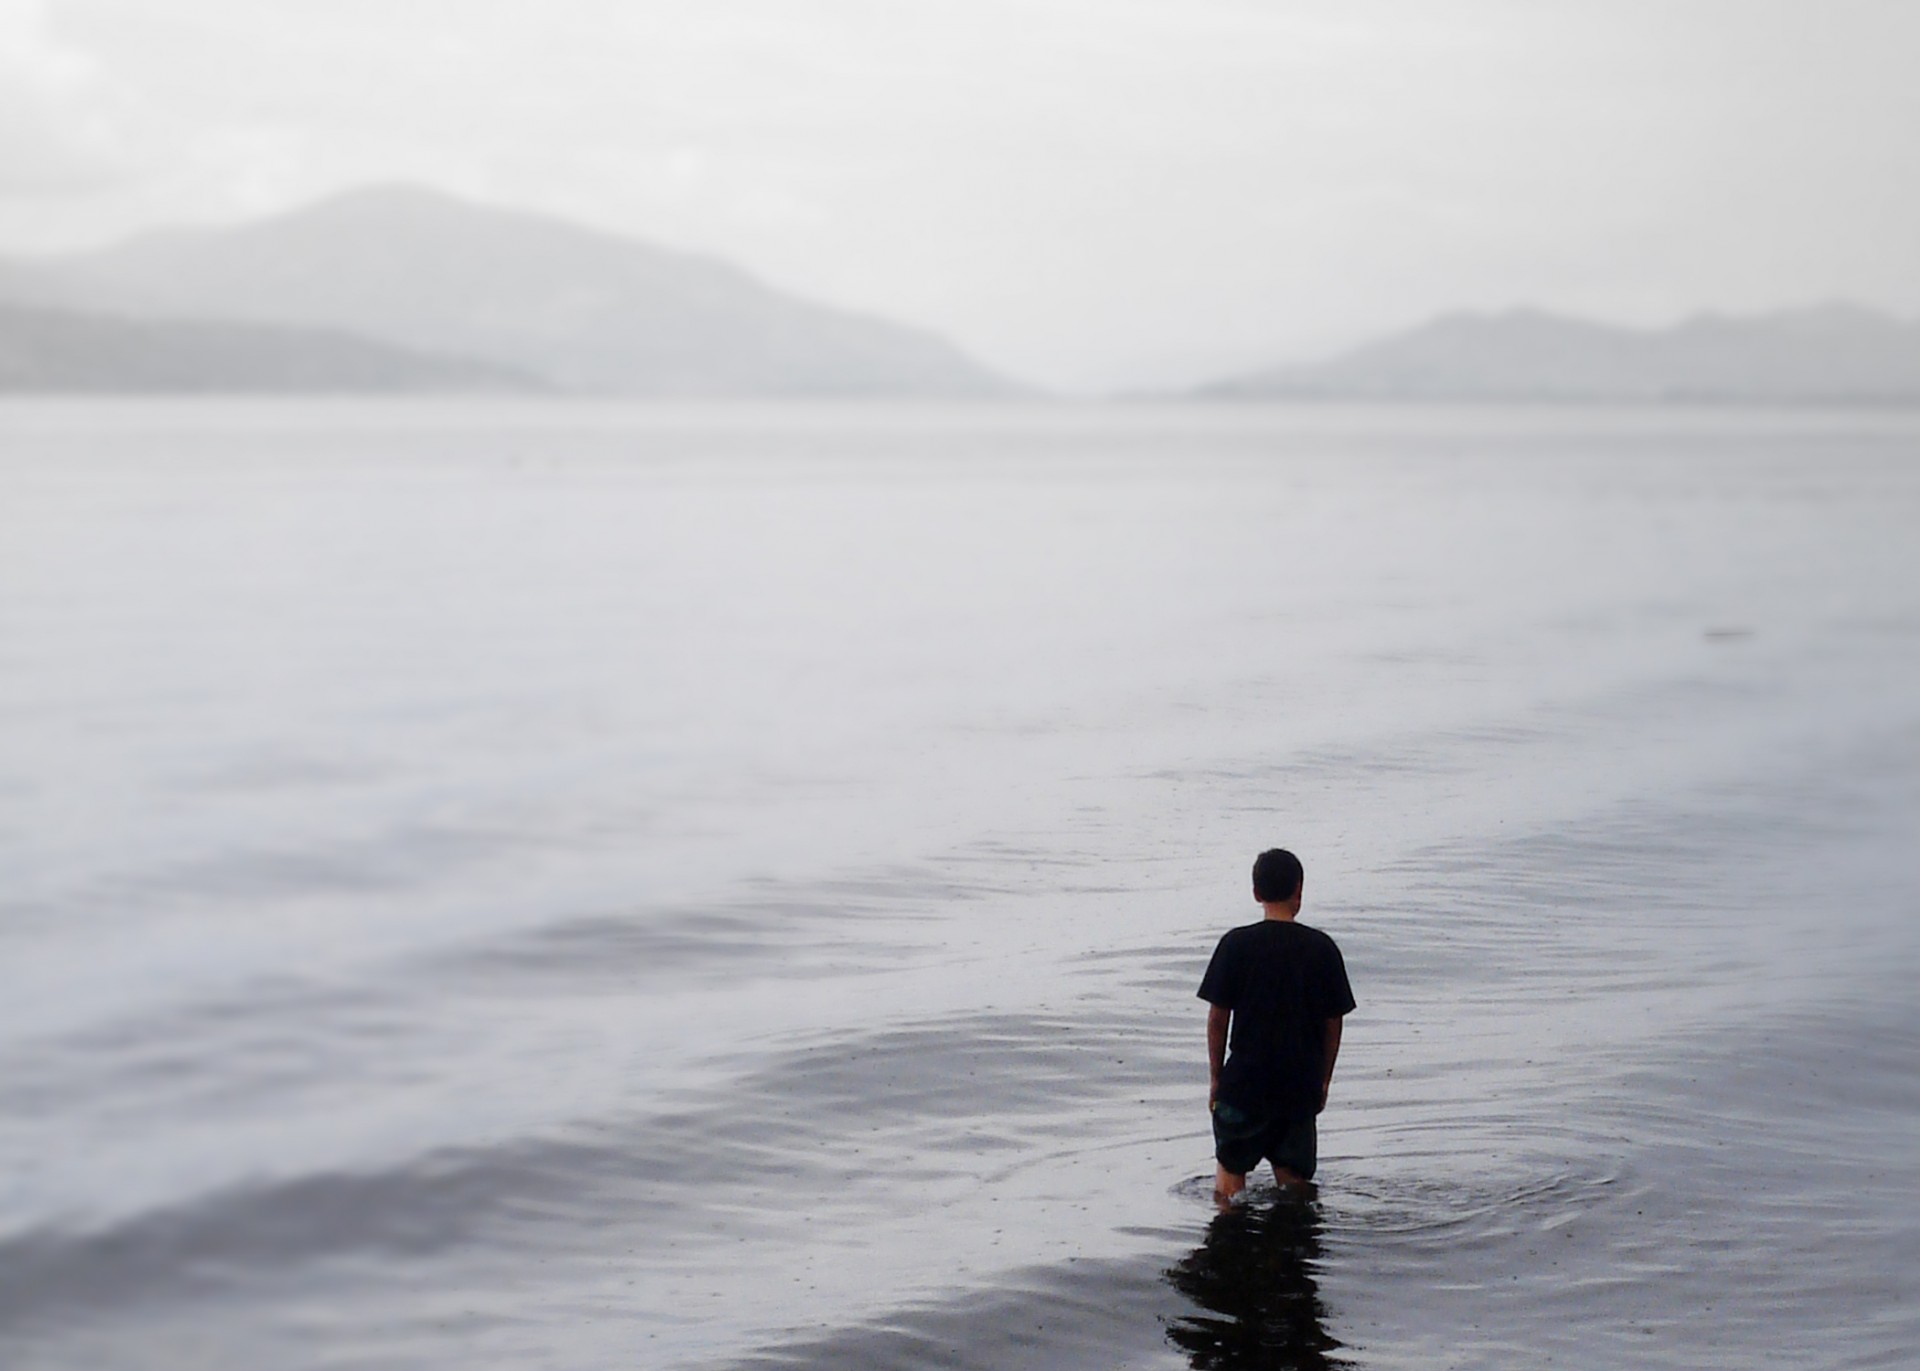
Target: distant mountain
pixel 586 310
pixel 1832 353
pixel 60 351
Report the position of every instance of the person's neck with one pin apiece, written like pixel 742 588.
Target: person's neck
pixel 1283 912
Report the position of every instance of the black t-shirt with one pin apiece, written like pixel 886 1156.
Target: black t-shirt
pixel 1283 981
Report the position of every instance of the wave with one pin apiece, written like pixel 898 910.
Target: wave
pixel 816 1115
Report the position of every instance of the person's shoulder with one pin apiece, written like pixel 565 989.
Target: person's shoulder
pixel 1318 935
pixel 1240 934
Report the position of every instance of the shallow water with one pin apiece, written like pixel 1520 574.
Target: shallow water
pixel 569 885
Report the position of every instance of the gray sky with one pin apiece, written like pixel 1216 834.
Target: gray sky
pixel 1084 191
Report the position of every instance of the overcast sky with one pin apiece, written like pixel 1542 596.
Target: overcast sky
pixel 1082 191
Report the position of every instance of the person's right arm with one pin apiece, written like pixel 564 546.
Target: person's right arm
pixel 1332 1055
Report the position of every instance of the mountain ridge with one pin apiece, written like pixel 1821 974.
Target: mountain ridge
pixel 69 352
pixel 586 309
pixel 1833 352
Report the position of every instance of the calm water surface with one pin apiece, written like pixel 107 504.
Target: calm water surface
pixel 573 886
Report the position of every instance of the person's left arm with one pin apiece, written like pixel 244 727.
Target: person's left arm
pixel 1218 1017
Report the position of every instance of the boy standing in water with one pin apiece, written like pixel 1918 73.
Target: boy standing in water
pixel 1281 988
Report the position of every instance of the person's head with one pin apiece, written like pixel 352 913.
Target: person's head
pixel 1276 876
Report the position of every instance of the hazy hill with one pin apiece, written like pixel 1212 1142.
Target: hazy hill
pixel 587 310
pixel 1829 353
pixel 61 351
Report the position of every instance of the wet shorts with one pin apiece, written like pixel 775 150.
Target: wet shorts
pixel 1241 1140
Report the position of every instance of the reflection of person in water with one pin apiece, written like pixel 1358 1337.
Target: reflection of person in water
pixel 1253 1279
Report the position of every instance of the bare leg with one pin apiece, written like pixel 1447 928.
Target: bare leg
pixel 1226 1185
pixel 1284 1176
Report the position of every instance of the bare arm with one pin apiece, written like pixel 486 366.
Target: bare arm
pixel 1333 1055
pixel 1217 1018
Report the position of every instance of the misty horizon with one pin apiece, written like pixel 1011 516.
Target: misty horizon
pixel 494 295
pixel 1170 380
pixel 1092 197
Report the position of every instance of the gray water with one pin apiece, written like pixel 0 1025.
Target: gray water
pixel 573 886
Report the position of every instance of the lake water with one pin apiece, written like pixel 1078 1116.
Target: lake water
pixel 507 886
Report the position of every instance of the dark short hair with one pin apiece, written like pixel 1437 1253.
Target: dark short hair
pixel 1276 876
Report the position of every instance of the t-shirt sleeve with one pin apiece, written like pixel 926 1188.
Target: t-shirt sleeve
pixel 1221 984
pixel 1336 993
